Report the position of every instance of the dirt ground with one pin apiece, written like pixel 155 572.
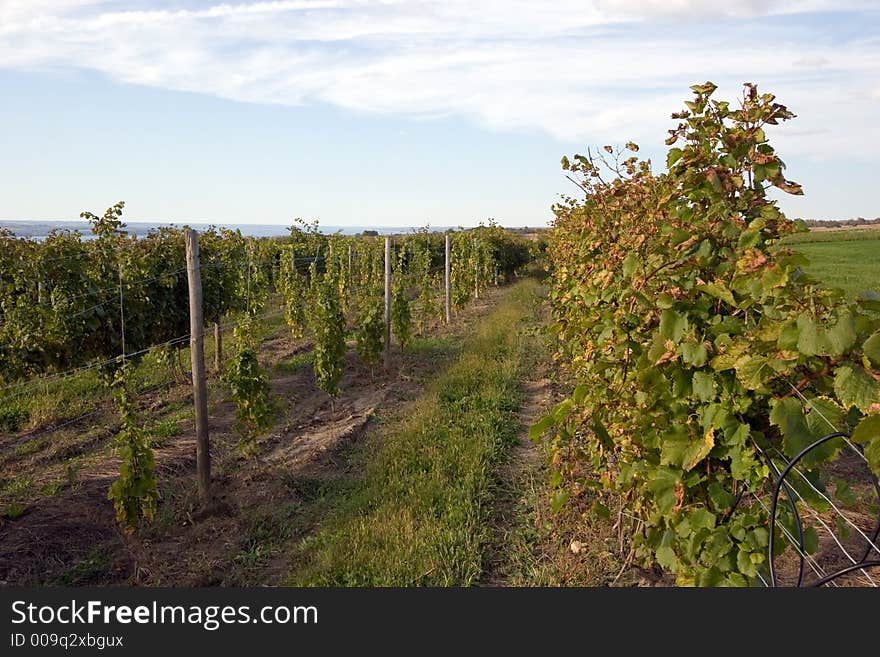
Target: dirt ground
pixel 262 503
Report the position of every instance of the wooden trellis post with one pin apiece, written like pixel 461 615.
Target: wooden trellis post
pixel 200 386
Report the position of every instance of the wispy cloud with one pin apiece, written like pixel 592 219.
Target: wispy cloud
pixel 588 71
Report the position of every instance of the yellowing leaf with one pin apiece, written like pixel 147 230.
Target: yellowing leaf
pixel 697 452
pixel 855 387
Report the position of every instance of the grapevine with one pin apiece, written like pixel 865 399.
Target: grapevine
pixel 401 316
pixel 293 288
pixel 686 329
pixel 255 280
pixel 370 333
pixel 328 325
pixel 69 304
pixel 223 254
pixel 421 264
pixel 250 387
pixel 135 493
pixel 462 272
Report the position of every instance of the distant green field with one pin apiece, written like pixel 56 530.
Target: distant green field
pixel 846 259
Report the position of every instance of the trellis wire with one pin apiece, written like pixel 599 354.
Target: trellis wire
pixel 796 544
pixel 863 564
pixel 819 519
pixel 114 288
pixel 871 542
pixel 80 418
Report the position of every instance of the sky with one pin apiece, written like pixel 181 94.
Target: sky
pixel 409 112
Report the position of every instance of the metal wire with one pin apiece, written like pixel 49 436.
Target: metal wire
pixel 79 370
pixel 807 558
pixel 80 418
pixel 871 544
pixel 819 519
pixel 862 564
pixel 830 424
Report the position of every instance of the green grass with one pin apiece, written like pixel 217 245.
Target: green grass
pixel 844 259
pixel 47 400
pixel 14 493
pixel 296 363
pixel 42 402
pixel 422 513
pixel 89 570
pixel 160 431
pixel 266 534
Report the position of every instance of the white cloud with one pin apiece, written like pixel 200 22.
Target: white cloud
pixel 600 72
pixel 643 9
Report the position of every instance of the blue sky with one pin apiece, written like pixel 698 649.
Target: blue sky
pixel 405 113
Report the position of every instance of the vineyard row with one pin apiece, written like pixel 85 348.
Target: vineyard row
pixel 706 361
pixel 70 305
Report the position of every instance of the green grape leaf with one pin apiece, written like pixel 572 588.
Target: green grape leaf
pixel 538 429
pixel 867 430
pixel 871 348
pixel 673 445
pixel 728 359
pixel 824 416
pixel 721 499
pixel 855 387
pixel 719 290
pixel 600 510
pixel 842 336
pixel 868 433
pixel 872 453
pixel 666 558
pixel 811 540
pixel 694 353
pixel 703 384
pixel 631 263
pixel 753 371
pixel 788 415
pixel 811 338
pixel 662 486
pixel 788 336
pixel 672 325
pixel 558 501
pixel 843 492
pixel 744 563
pixel 697 451
pixel 701 519
pixel 602 434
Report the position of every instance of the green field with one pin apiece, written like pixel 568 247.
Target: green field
pixel 845 259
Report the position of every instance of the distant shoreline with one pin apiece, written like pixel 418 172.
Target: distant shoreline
pixel 41 229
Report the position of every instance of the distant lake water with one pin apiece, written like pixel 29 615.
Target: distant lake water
pixel 40 229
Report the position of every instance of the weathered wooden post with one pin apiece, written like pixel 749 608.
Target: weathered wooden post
pixel 200 387
pixel 448 281
pixel 387 301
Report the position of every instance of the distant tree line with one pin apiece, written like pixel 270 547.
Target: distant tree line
pixel 828 223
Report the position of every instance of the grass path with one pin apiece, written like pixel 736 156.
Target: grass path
pixel 423 512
